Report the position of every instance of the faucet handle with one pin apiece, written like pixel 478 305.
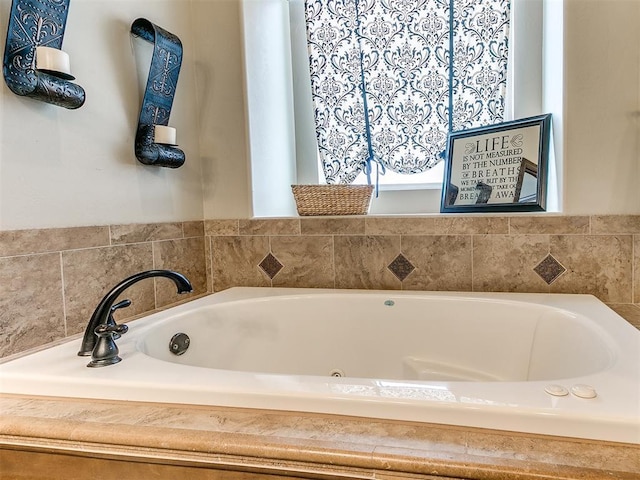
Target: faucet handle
pixel 110 320
pixel 122 304
pixel 114 330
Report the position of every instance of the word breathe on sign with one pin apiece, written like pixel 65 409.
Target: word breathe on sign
pixel 493 161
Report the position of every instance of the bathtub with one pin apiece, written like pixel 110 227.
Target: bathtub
pixel 562 365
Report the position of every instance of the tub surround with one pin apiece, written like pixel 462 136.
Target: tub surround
pixel 52 279
pixel 557 254
pixel 66 437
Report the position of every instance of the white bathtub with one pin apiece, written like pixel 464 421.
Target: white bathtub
pixel 483 360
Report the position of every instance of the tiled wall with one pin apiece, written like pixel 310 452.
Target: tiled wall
pixel 599 255
pixel 52 279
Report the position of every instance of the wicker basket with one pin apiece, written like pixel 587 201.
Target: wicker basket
pixel 332 199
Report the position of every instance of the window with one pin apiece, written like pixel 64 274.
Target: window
pixel 390 80
pixel 282 128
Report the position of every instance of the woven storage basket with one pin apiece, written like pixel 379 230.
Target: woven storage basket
pixel 332 199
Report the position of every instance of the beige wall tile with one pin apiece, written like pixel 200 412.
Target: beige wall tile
pixel 221 227
pixel 275 226
pixel 23 242
pixel 307 260
pixel 235 261
pixel 612 224
pixel 185 256
pixel 90 274
pixel 31 310
pixel 400 226
pixel 135 233
pixel 552 225
pixel 436 225
pixel 596 264
pixel 504 263
pixel 332 226
pixel 207 256
pixel 193 229
pixel 472 225
pixel 443 262
pixel 361 261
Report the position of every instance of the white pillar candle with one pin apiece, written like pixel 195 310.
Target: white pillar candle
pixel 53 60
pixel 165 135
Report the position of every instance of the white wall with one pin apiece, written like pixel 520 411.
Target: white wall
pixel 62 167
pixel 602 109
pixel 68 168
pixel 269 87
pixel 221 108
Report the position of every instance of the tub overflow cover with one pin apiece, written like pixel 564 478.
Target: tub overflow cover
pixel 179 343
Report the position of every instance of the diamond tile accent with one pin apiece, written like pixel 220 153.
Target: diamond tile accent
pixel 401 267
pixel 549 269
pixel 270 265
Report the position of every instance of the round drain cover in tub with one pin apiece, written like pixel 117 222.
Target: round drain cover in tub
pixel 179 343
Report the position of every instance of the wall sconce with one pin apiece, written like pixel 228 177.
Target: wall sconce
pixel 155 141
pixel 34 64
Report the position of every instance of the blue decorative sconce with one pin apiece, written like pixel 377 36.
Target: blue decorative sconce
pixel 34 64
pixel 155 140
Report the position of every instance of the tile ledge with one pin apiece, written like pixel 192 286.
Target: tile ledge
pixel 272 441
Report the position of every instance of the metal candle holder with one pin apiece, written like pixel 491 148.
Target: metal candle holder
pixel 34 23
pixel 158 97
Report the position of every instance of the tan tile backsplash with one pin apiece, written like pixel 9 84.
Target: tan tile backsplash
pixel 505 263
pixel 25 242
pixel 442 262
pixel 51 279
pixel 184 255
pixel 361 261
pixel 31 306
pixel 235 261
pixel 90 273
pixel 597 264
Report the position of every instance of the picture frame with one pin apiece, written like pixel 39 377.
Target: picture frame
pixel 498 168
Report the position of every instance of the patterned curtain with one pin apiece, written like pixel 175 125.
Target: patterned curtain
pixel 408 64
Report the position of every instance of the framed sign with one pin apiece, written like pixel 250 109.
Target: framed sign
pixel 500 168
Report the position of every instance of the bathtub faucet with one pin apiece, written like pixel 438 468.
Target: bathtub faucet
pixel 104 309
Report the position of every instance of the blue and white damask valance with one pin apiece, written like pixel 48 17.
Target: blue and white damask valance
pixel 419 68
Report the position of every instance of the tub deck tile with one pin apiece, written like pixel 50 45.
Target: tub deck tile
pixel 261 441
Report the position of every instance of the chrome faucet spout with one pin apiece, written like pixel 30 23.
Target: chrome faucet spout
pixel 101 313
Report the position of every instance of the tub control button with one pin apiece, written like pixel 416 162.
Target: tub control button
pixel 583 391
pixel 556 390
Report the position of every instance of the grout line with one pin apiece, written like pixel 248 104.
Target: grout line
pixel 211 255
pixel 270 253
pixel 64 300
pixel 333 258
pixel 153 266
pixel 473 289
pixel 401 281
